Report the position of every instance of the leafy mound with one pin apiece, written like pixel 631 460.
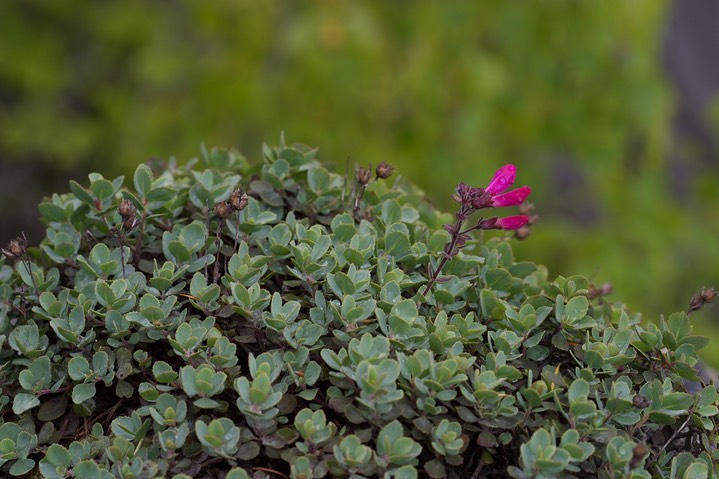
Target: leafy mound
pixel 187 329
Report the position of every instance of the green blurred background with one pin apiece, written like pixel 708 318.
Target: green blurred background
pixel 605 107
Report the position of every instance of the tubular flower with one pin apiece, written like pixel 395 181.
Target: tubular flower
pixel 503 179
pixel 511 198
pixel 512 222
pixel 508 223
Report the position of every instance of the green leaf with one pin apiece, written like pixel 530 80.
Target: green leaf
pixel 83 392
pixel 24 402
pixel 58 456
pixel 21 467
pixel 87 469
pixel 78 368
pixel 81 193
pixel 578 390
pixel 102 189
pixel 53 408
pixel 576 308
pixel 318 179
pixel 52 212
pixel 143 180
pixel 396 240
pixel 498 279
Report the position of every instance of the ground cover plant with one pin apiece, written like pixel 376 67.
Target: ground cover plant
pixel 234 319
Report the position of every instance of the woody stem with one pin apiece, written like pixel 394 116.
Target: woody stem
pixel 447 254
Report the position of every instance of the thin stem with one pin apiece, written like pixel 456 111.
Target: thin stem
pixel 358 197
pixel 218 242
pixel 208 232
pixel 237 232
pixel 121 235
pixel 446 256
pixel 677 431
pixel 140 234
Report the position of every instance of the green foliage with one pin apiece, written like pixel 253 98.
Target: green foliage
pixel 292 336
pixel 95 86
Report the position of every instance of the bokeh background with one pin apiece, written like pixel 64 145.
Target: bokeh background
pixel 609 109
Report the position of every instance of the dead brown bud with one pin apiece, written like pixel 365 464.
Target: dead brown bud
pixel 708 295
pixel 126 208
pixel 384 170
pixel 364 176
pixel 599 291
pixel 129 222
pixel 239 200
pixel 523 232
pixel 526 208
pixel 15 248
pixel 223 209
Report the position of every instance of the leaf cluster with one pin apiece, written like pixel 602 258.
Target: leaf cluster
pixel 292 337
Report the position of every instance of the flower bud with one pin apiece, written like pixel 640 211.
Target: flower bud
pixel 488 224
pixel 384 170
pixel 638 454
pixel 364 176
pixel 239 200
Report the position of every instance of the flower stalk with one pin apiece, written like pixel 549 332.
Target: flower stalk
pixel 471 200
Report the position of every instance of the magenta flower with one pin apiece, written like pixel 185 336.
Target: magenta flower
pixel 471 200
pixel 511 198
pixel 512 222
pixel 494 195
pixel 503 179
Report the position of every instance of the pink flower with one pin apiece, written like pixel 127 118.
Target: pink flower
pixel 503 179
pixel 512 222
pixel 511 198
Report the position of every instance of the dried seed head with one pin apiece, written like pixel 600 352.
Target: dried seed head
pixel 126 208
pixel 526 208
pixel 129 222
pixel 700 299
pixel 696 303
pixel 708 295
pixel 523 232
pixel 599 291
pixel 223 209
pixel 384 170
pixel 239 200
pixel 15 248
pixel 364 176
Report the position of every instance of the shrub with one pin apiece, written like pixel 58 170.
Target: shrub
pixel 319 325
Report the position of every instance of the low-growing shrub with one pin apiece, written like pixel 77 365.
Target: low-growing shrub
pixel 228 319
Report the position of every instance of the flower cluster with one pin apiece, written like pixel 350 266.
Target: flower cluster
pixel 471 200
pixel 494 195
